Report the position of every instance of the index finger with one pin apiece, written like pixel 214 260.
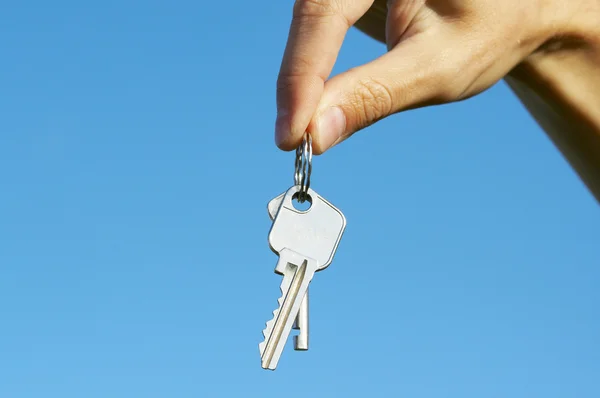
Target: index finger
pixel 316 34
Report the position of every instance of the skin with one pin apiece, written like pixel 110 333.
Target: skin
pixel 442 51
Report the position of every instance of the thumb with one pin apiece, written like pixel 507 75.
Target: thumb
pixel 412 74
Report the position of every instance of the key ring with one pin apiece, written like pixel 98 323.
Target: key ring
pixel 303 167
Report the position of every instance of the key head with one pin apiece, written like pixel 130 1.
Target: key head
pixel 314 233
pixel 274 205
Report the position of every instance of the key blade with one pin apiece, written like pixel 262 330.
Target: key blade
pixel 301 270
pixel 283 324
pixel 284 287
pixel 301 324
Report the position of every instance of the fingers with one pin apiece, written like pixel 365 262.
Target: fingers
pixel 400 21
pixel 410 75
pixel 316 34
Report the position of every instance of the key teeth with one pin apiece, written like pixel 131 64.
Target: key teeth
pixel 270 324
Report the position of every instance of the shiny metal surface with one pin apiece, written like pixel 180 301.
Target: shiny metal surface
pixel 297 271
pixel 306 241
pixel 315 232
pixel 301 323
pixel 303 167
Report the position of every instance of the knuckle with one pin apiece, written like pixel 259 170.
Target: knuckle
pixel 284 83
pixel 298 65
pixel 371 100
pixel 314 8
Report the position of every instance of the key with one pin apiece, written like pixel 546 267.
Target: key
pixel 275 204
pixel 301 325
pixel 306 242
pixel 301 322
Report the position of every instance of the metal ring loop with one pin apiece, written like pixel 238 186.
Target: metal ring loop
pixel 303 167
pixel 297 170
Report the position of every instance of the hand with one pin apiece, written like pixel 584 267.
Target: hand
pixel 439 51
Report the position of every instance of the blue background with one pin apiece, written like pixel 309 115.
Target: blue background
pixel 136 161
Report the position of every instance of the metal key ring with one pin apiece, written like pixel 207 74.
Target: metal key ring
pixel 303 167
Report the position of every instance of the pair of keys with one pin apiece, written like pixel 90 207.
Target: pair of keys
pixel 306 242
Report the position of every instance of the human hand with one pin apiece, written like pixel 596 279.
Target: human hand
pixel 439 51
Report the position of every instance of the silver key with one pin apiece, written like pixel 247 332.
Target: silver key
pixel 301 322
pixel 301 325
pixel 275 205
pixel 306 242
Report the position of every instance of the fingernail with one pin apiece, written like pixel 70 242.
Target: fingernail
pixel 332 126
pixel 282 128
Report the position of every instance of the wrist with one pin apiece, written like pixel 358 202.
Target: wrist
pixel 559 84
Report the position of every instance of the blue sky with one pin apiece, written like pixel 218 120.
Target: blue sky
pixel 136 162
